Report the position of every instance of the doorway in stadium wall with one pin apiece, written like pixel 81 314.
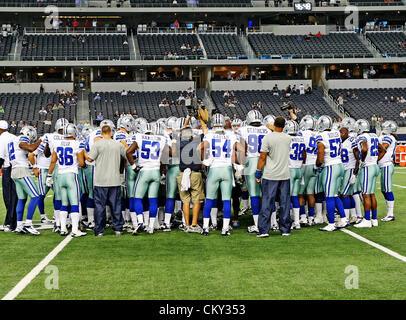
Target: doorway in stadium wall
pixel 82 78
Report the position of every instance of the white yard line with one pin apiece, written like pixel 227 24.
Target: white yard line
pixel 24 282
pixel 375 245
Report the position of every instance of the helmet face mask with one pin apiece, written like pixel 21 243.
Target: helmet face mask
pixel 324 123
pixel 307 123
pixel 363 126
pixel 218 121
pixel 291 127
pixel 254 116
pixel 30 132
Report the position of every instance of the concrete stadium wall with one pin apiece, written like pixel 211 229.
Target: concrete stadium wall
pixel 142 86
pixel 293 30
pixel 366 83
pixel 34 87
pixel 257 84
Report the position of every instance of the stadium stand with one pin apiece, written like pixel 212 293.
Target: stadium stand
pixel 371 101
pixel 376 2
pixel 168 46
pixel 271 104
pixel 391 44
pixel 26 106
pixel 36 3
pixel 5 46
pixel 223 46
pixel 333 45
pixel 158 3
pixel 224 3
pixel 146 104
pixel 75 47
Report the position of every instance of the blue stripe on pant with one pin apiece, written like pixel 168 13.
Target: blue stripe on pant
pixel 9 197
pixel 107 196
pixel 269 190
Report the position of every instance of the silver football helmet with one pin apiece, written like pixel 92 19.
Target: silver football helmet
pixel 171 122
pixel 291 127
pixel 162 120
pixel 363 126
pixel 30 132
pixel 236 122
pixel 389 127
pixel 180 123
pixel 349 123
pixel 324 123
pixel 159 128
pixel 336 126
pixel 269 120
pixel 70 131
pixel 60 124
pixel 139 124
pixel 127 122
pixel 218 120
pixel 109 123
pixel 244 124
pixel 147 128
pixel 86 132
pixel 254 116
pixel 307 123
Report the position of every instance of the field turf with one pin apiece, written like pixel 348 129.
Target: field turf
pixel 307 265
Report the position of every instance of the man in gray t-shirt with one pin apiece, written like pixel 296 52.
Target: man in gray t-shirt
pixel 274 160
pixel 107 155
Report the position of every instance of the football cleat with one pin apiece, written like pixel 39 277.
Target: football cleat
pixel 343 223
pixel 165 228
pixel 149 230
pixel 310 221
pixel 7 229
pixel 353 220
pixel 285 234
pixel 205 232
pixel 329 227
pixel 374 222
pixel 295 225
pixel 46 220
pixel 20 230
pixel 318 219
pixel 225 232
pixel 118 233
pixel 90 226
pixel 303 221
pixel 213 227
pixel 364 224
pixel 31 230
pixel 127 225
pixel 275 227
pixel 195 229
pixel 388 218
pixel 99 235
pixel 262 235
pixel 253 229
pixel 236 224
pixel 140 228
pixel 63 233
pixel 56 229
pixel 2 227
pixel 243 211
pixel 78 234
pixel 182 227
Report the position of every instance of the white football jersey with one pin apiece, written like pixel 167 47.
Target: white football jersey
pixel 90 142
pixel 297 147
pixel 150 149
pixel 372 141
pixel 52 139
pixel 332 146
pixel 253 137
pixel 120 135
pixel 18 157
pixel 311 145
pixel 220 148
pixel 387 159
pixel 67 152
pixel 132 137
pixel 347 153
pixel 41 160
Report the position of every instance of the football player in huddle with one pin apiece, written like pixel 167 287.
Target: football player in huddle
pixel 68 153
pixel 297 157
pixel 25 185
pixel 388 141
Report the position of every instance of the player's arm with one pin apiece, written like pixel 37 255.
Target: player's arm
pixel 356 155
pixel 382 150
pixel 304 156
pixel 31 159
pixel 260 165
pixel 320 154
pixel 87 156
pixel 47 151
pixel 202 147
pixel 203 124
pixel 130 151
pixel 240 153
pixel 53 163
pixel 30 147
pixel 187 120
pixel 81 159
pixel 364 150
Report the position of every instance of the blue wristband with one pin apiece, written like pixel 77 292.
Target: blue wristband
pixel 258 174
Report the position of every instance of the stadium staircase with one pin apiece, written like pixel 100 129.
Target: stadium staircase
pixel 330 100
pixel 83 112
pixel 369 45
pixel 134 48
pixel 201 45
pixel 205 96
pixel 247 48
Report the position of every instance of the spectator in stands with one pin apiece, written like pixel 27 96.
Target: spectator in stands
pixel 392 99
pixel 229 103
pixel 226 94
pixel 298 38
pixel 99 118
pixel 354 96
pixel 319 35
pixel 176 24
pixel 97 97
pixel 124 92
pixel 340 99
pixel 402 99
pixel 380 119
pixel 259 105
pixel 288 91
pixel 75 23
pixel 372 72
pixel 42 111
pixel 374 120
pixel 308 89
pixel 80 126
pixel 181 97
pixel 403 114
pixel 275 90
pixel 55 107
pixel 385 100
pixel 13 124
pixel 87 24
pixel 301 89
pixel 67 103
pixel 188 101
pixel 135 115
pixel 41 89
pixel 94 24
pixel 87 124
pixel 60 106
pixel 20 125
pixel 116 116
pixel 315 115
pixel 348 74
pixel 183 46
pixel 48 121
pixel 1 109
pixel 175 2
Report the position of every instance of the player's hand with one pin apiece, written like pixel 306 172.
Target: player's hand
pixel 258 181
pixel 315 169
pixel 134 167
pixel 353 179
pixel 362 164
pixel 163 179
pixel 36 172
pixel 49 181
pixel 258 176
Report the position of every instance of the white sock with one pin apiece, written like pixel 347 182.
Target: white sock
pixel 178 205
pixel 273 218
pixel 183 220
pixel 63 215
pixel 319 209
pixel 146 217
pixel 57 216
pixel 108 212
pixel 140 218
pixel 28 222
pixel 75 221
pixel 353 212
pixel 358 205
pixel 134 221
pixel 213 215
pixel 347 213
pixel 245 203
pixel 324 208
pixel 151 222
pixel 43 216
pixel 296 214
pixel 206 222
pixel 255 218
pixel 127 215
pixel 168 217
pixel 161 215
pixel 156 223
pixel 124 216
pixel 226 223
pixel 19 224
pixel 90 215
pixel 390 205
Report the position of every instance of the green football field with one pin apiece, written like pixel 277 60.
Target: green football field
pixel 307 265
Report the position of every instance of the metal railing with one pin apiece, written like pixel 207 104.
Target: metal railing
pixel 157 30
pixel 209 29
pixel 69 58
pixel 35 4
pixel 71 30
pixel 193 57
pixel 314 56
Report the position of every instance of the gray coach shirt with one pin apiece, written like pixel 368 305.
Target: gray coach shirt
pixel 277 144
pixel 107 156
